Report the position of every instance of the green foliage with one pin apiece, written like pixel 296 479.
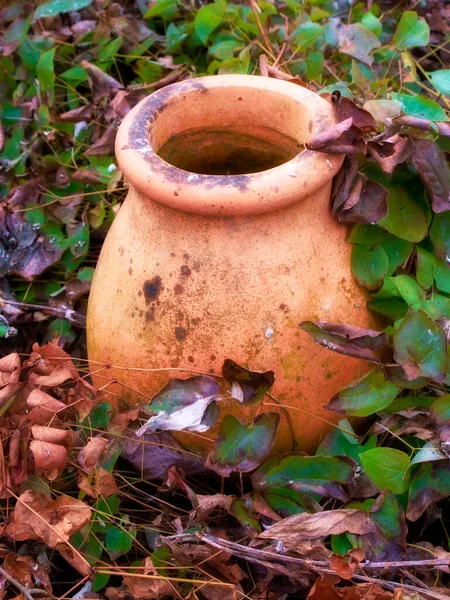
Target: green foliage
pixel 387 468
pixel 411 31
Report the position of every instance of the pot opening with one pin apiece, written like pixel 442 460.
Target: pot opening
pixel 220 152
pixel 230 130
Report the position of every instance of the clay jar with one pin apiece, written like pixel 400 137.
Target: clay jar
pixel 224 244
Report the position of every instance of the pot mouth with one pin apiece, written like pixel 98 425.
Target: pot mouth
pixel 227 145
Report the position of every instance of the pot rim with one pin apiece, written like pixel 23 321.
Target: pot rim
pixel 224 195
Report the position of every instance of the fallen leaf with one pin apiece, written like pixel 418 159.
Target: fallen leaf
pixel 90 455
pixel 345 566
pixel 345 339
pixel 251 385
pixel 149 589
pixel 310 527
pixel 391 152
pixel 44 407
pixel 9 369
pixel 182 404
pixel 48 456
pixel 432 166
pixel 154 453
pixel 105 143
pixel 357 41
pixel 51 522
pixel 82 113
pixel 102 85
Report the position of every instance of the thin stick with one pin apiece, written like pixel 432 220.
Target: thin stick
pixel 27 593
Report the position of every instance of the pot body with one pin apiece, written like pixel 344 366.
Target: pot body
pixel 179 290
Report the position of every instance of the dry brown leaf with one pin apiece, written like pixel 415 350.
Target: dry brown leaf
pixel 74 559
pixel 148 588
pixel 48 456
pixel 58 376
pixel 309 527
pixel 9 369
pixel 91 453
pixel 53 522
pixel 44 406
pixel 104 484
pixel 206 504
pixel 45 359
pixel 18 567
pixel 52 435
pixel 345 566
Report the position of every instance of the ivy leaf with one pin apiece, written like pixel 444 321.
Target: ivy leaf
pixel 46 74
pixel 405 218
pixel 388 541
pixel 430 484
pixel 387 468
pixel 366 396
pixel 440 235
pixel 420 347
pixel 208 18
pixel 358 41
pixel 247 386
pixel 182 404
pixel 344 442
pixel 440 409
pixel 56 7
pixel 119 540
pixel 78 234
pixel 432 166
pixel 441 81
pixel 306 35
pixel 321 475
pixel 240 446
pixel 411 32
pixel 432 268
pixel 409 290
pixel 369 264
pixel 420 106
pixel 352 341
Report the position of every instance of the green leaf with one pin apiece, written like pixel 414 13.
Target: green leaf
pixel 431 268
pixel 343 441
pixel 411 32
pixel 419 106
pixel 372 23
pixel 99 417
pixel 46 74
pixel 284 501
pixel 420 347
pixel 409 290
pixel 306 35
pixel 78 234
pixel 99 581
pixel 366 396
pixel 405 218
pixel 314 66
pixel 225 49
pixel 369 264
pixel 56 7
pixel 119 540
pixel 387 468
pixel 440 234
pixel 240 446
pixel 389 538
pixel 162 8
pixel 440 409
pixel 320 475
pixel 441 81
pixel 430 484
pixel 110 49
pixel 208 18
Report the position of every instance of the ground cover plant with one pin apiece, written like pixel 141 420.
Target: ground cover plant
pixel 89 511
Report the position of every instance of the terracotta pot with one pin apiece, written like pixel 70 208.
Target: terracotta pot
pixel 201 267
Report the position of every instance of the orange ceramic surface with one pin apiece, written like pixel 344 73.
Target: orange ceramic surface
pixel 224 254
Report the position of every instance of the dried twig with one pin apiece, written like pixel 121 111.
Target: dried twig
pixel 26 593
pixel 156 85
pixel 72 316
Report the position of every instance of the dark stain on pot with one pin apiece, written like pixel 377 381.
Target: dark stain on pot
pixel 185 271
pixel 178 289
pixel 191 359
pixel 310 126
pixel 152 288
pixel 180 315
pixel 195 321
pixel 180 333
pixel 150 314
pixel 130 271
